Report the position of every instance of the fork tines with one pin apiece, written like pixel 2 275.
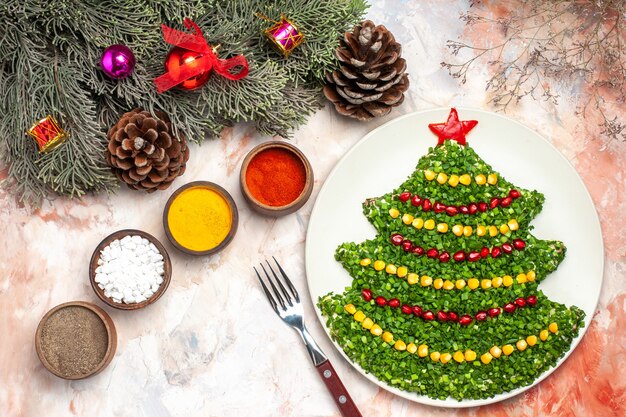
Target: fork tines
pixel 283 296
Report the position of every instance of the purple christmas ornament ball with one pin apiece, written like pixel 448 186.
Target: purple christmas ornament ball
pixel 117 61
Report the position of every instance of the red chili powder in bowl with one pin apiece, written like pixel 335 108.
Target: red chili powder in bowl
pixel 275 177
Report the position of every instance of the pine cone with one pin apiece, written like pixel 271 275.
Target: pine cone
pixel 143 153
pixel 371 79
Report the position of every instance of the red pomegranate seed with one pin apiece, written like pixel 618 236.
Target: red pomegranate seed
pixel 509 307
pixel 484 252
pixel 366 293
pixel 506 201
pixel 416 200
pixel 397 239
pixel 442 316
pixel 407 245
pixel 406 309
pixel 404 197
pixel 493 312
pixel 493 203
pixel 428 315
pixel 514 194
pixel 417 250
pixel 520 302
pixel 438 207
pixel 381 301
pixel 465 319
pixel 496 251
pixel 426 205
pixel 393 303
pixel 452 211
pixel 459 256
pixel 417 310
pixel 507 248
pixel 473 256
pixel 482 206
pixel 464 210
pixel 519 244
pixel 452 316
pixel 531 300
pixel 432 253
pixel 481 316
pixel 473 208
pixel 444 256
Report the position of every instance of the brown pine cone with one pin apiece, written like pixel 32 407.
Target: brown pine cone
pixel 143 153
pixel 371 79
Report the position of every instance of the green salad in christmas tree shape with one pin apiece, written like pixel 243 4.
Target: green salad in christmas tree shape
pixel 444 300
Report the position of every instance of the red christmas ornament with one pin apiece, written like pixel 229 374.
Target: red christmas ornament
pixel 190 63
pixel 47 133
pixel 453 128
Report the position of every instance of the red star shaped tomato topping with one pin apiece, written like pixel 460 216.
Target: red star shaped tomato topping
pixel 453 128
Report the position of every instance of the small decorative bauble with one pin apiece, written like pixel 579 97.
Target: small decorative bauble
pixel 177 57
pixel 47 133
pixel 284 35
pixel 117 61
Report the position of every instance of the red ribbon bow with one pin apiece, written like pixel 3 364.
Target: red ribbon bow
pixel 207 61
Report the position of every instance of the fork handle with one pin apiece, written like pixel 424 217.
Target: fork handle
pixel 337 390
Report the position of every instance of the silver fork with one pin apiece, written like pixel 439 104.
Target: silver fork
pixel 286 303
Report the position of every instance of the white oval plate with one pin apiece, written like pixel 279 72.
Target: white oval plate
pixel 385 157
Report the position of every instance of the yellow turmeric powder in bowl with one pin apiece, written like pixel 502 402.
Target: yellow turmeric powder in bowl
pixel 200 218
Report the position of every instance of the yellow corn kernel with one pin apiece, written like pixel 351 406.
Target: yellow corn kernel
pixel 394 213
pixel 485 284
pixel 553 327
pixel 448 285
pixel 486 358
pixel 426 281
pixel 457 229
pixel 400 345
pixel 492 179
pixel 391 269
pixel 473 283
pixel 507 349
pixel 442 227
pixel 438 283
pixel 387 337
pixel 521 345
pixel 435 356
pixel 481 230
pixel 531 340
pixel 521 278
pixel 411 348
pixel 442 178
pixel 365 262
pixel 543 335
pixel 493 231
pixel 465 179
pixel 367 323
pixel 350 308
pixel 496 282
pixel 379 265
pixel 418 223
pixel 507 280
pixel 530 275
pixel 495 351
pixel 407 219
pixel 402 271
pixel 429 175
pixel 467 231
pixel 458 356
pixel 445 358
pixel 504 229
pixel 453 180
pixel 460 284
pixel 470 355
pixel 376 330
pixel 359 316
pixel 429 224
pixel 422 351
pixel 513 225
pixel 412 278
pixel 480 179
